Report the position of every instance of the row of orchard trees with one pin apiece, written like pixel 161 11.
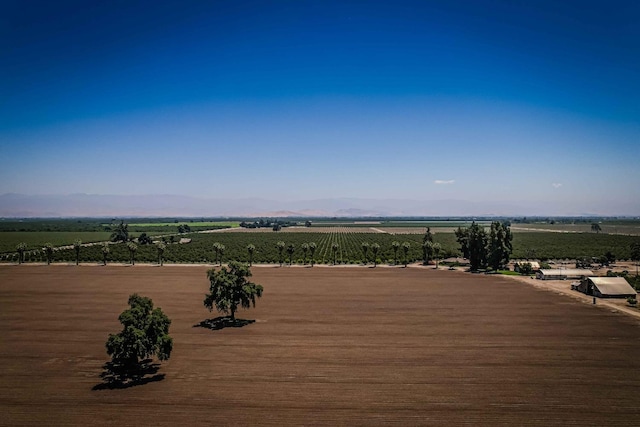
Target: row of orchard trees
pixel 485 247
pixel 332 248
pixel 50 252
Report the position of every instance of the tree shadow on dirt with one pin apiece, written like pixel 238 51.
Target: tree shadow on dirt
pixel 223 322
pixel 118 376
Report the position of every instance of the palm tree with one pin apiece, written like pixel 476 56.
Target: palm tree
pixel 365 250
pixel 436 252
pixel 132 250
pixel 290 249
pixel 251 249
pixel 216 249
pixel 20 248
pixel 48 250
pixel 334 249
pixel 105 253
pixel 76 246
pixel 161 247
pixel 280 245
pixel 375 248
pixel 305 248
pixel 396 245
pixel 312 249
pixel 405 248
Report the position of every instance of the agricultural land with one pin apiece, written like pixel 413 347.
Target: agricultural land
pixel 329 346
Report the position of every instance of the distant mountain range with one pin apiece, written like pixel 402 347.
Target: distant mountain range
pixel 92 205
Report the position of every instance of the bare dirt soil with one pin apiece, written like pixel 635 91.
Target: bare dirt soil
pixel 358 346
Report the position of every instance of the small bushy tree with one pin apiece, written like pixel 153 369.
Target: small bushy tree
pixel 121 233
pixel 105 253
pixel 48 251
pixel 21 248
pixel 144 239
pixel 230 289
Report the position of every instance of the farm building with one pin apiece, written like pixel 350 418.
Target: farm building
pixel 562 274
pixel 606 287
pixel 534 265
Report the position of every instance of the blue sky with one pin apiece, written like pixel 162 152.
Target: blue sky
pixel 524 102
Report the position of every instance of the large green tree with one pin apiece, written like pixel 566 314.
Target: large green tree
pixel 499 245
pixel 145 333
pixel 428 236
pixel 427 251
pixel 121 233
pixel 230 289
pixel 473 245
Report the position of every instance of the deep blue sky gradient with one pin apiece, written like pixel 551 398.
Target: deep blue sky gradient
pixel 313 99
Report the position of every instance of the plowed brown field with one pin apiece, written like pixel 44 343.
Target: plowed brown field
pixel 331 346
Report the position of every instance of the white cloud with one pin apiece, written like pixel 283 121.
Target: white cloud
pixel 556 185
pixel 442 181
